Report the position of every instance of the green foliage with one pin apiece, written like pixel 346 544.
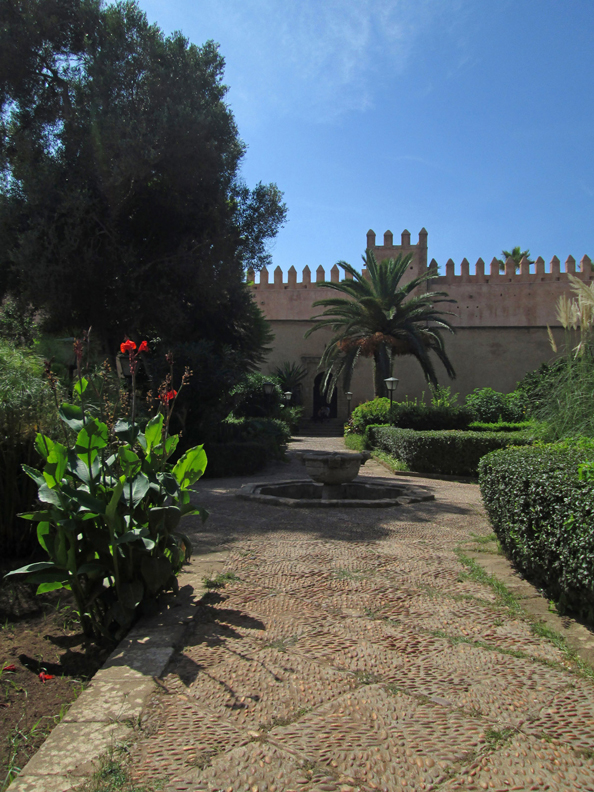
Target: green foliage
pixel 110 508
pixel 449 452
pixel 122 204
pixel 235 458
pixel 489 406
pixel 408 415
pixel 542 509
pixel 26 404
pixel 560 395
pixel 17 323
pixel 290 376
pixel 250 399
pixel 355 442
pixel 380 318
pixel 272 433
pixel 502 426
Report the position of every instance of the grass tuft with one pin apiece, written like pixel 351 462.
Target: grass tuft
pixel 220 580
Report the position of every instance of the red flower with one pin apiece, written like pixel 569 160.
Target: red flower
pixel 10 667
pixel 45 677
pixel 143 347
pixel 127 346
pixel 168 396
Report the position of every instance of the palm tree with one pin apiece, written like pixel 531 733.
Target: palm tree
pixel 381 319
pixel 517 254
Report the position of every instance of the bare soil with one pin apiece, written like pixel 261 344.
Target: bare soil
pixel 39 635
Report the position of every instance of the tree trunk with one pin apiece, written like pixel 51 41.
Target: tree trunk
pixel 381 371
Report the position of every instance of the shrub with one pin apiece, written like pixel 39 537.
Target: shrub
pixel 454 453
pixel 26 405
pixel 408 415
pixel 271 433
pixel 234 459
pixel 250 399
pixel 489 406
pixel 543 514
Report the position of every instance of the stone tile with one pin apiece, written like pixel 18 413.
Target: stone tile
pixel 115 701
pixel 74 747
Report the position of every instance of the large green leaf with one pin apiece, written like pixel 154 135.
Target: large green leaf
pixel 156 571
pixel 169 516
pixel 135 490
pixel 38 566
pixel 85 499
pixel 72 415
pixel 45 538
pixel 93 436
pixel 55 465
pixel 153 432
pixel 129 461
pixel 48 495
pixel 190 467
pixel 78 465
pixel 126 431
pixel 34 474
pixel 80 386
pixel 43 445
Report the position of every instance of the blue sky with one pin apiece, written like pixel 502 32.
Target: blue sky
pixel 471 118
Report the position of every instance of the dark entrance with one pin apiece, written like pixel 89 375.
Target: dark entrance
pixel 319 400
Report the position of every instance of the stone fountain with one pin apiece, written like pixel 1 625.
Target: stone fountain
pixel 331 483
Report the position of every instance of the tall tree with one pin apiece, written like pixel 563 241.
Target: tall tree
pixel 121 203
pixel 381 319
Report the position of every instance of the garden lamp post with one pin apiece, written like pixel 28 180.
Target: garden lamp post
pixel 349 396
pixel 391 385
pixel 287 396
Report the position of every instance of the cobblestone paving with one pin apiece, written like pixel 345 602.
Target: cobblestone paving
pixel 354 653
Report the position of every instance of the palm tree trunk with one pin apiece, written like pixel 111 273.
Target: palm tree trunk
pixel 381 370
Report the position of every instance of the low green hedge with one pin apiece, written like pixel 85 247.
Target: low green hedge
pixel 454 453
pixel 501 426
pixel 234 459
pixel 408 416
pixel 543 515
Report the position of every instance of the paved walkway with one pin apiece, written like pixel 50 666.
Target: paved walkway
pixel 354 652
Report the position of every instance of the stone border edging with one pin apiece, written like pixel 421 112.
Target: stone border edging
pixel 105 713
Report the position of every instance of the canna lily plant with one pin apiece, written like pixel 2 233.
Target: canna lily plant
pixel 111 505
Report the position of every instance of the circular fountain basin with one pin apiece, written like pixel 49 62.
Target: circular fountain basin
pixel 304 493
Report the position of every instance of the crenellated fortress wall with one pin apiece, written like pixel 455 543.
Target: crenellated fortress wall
pixel 500 317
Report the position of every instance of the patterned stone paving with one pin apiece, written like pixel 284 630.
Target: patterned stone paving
pixel 353 653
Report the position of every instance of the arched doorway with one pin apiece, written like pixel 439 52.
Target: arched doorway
pixel 319 399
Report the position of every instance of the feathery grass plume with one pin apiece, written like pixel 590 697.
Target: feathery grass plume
pixel 563 312
pixel 552 339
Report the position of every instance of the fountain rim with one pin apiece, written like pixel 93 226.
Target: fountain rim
pixel 248 492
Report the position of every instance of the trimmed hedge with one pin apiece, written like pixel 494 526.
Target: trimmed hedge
pixel 452 453
pixel 234 459
pixel 544 517
pixel 408 416
pixel 501 426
